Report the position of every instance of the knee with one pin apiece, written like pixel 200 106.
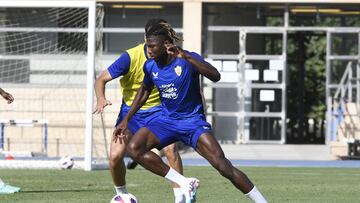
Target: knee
pixel 217 157
pixel 116 154
pixel 223 165
pixel 133 150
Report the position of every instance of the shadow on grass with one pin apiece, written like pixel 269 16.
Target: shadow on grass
pixel 63 190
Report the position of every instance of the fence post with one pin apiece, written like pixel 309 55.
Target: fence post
pixel 8 143
pixel 329 121
pixel 45 133
pixel 57 147
pixel 2 135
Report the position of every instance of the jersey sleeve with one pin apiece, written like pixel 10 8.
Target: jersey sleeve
pixel 147 77
pixel 197 56
pixel 121 66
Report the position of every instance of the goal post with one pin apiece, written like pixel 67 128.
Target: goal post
pixel 25 123
pixel 88 27
pixel 89 86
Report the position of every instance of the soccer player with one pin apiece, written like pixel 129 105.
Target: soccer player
pixel 175 73
pixel 130 66
pixel 7 96
pixel 6 188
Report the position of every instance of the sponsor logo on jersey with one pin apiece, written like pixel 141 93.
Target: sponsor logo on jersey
pixel 155 74
pixel 168 91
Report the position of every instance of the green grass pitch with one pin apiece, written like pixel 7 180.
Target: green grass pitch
pixel 280 184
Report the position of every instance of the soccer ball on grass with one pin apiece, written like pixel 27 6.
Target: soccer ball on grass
pixel 66 162
pixel 124 198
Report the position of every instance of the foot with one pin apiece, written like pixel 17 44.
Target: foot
pixel 180 199
pixel 190 190
pixel 131 164
pixel 8 189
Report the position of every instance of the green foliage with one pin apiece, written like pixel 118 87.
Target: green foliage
pixel 275 21
pixel 306 53
pixel 315 77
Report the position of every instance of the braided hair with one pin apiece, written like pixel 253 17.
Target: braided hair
pixel 157 26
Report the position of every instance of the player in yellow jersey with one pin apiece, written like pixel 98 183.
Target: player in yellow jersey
pixel 130 66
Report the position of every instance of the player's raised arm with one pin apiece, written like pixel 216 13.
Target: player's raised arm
pixel 204 68
pixel 101 101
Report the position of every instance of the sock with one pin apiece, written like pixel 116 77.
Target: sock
pixel 121 189
pixel 256 196
pixel 176 177
pixel 1 183
pixel 179 195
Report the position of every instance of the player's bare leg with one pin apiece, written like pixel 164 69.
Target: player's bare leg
pixel 116 162
pixel 175 162
pixel 139 148
pixel 173 157
pixel 132 163
pixel 210 149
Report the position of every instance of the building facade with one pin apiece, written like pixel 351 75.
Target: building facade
pixel 282 64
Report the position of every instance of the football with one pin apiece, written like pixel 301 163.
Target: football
pixel 66 162
pixel 124 198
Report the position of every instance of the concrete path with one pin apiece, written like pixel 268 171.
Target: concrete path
pixel 271 155
pixel 271 152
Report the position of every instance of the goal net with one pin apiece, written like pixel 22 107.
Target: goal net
pixel 46 60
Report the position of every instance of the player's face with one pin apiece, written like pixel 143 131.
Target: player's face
pixel 156 47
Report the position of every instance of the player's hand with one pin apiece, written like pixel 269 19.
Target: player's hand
pixel 9 98
pixel 119 132
pixel 177 51
pixel 100 105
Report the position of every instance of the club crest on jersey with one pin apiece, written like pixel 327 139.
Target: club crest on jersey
pixel 155 74
pixel 178 70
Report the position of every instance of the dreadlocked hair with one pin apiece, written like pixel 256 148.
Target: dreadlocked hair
pixel 154 21
pixel 156 27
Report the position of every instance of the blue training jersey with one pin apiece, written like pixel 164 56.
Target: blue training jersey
pixel 178 84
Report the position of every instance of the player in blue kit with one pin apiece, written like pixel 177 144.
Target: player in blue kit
pixel 175 73
pixel 130 66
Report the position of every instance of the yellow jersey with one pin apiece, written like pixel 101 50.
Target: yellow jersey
pixel 132 80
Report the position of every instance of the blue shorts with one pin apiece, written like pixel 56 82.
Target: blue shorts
pixel 169 130
pixel 139 118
